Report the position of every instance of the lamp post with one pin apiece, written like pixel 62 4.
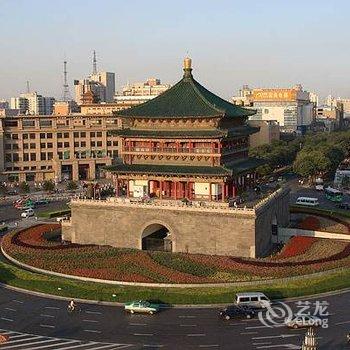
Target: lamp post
pixel 310 342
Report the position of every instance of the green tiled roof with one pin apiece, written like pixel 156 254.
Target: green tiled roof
pixel 214 133
pixel 186 99
pixel 235 168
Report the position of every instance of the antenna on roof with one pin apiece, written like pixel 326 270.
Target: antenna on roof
pixel 66 94
pixel 94 64
pixel 28 88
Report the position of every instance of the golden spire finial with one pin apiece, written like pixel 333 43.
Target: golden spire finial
pixel 187 63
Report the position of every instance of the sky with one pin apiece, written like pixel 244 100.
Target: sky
pixel 262 43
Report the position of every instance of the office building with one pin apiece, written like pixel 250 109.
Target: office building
pixel 32 103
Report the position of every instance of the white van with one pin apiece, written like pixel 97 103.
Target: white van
pixel 253 299
pixel 308 201
pixel 27 213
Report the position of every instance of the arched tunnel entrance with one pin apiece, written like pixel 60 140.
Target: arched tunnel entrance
pixel 156 237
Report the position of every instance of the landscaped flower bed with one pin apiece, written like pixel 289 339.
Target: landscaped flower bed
pixel 301 255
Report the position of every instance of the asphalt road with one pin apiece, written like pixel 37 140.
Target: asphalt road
pixel 9 214
pixel 36 319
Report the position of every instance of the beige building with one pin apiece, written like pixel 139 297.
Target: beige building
pixel 269 131
pixel 67 146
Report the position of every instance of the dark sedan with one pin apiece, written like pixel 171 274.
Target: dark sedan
pixel 236 312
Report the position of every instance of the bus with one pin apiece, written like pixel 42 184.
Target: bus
pixel 333 195
pixel 308 201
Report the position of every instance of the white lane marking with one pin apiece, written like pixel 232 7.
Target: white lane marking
pixel 94 312
pixel 10 346
pixel 196 335
pixel 91 331
pixel 137 324
pixel 144 334
pixel 47 326
pixel 152 345
pixel 21 340
pixel 107 346
pixel 280 346
pixel 51 345
pixel 261 327
pixel 9 309
pixel 15 336
pixel 339 323
pixel 262 343
pixel 209 346
pixel 77 346
pixel 17 301
pixel 277 336
pixel 91 321
pixel 50 316
pixel 248 333
pixel 7 319
pixel 52 307
pixel 188 325
pixel 187 316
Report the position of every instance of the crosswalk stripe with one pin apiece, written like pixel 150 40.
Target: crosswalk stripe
pixel 51 345
pixel 22 340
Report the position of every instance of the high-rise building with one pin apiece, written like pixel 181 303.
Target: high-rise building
pixel 290 107
pixel 4 104
pixel 133 94
pixel 32 103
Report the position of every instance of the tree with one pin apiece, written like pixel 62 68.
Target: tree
pixel 24 187
pixel 72 186
pixel 345 182
pixel 264 170
pixel 48 186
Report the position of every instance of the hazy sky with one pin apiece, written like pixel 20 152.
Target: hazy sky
pixel 262 43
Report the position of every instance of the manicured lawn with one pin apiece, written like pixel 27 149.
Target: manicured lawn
pixel 17 277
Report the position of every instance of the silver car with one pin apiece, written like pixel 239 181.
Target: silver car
pixel 301 321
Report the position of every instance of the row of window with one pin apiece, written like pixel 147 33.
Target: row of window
pixel 60 135
pixel 16 168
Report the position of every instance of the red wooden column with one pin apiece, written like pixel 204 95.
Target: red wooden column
pixel 234 190
pixel 127 188
pixel 160 189
pixel 175 189
pixel 210 195
pixel 223 192
pixel 117 188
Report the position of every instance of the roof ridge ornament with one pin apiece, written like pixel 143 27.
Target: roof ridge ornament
pixel 187 67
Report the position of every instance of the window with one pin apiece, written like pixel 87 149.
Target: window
pixel 66 135
pixel 59 135
pixel 26 168
pixel 25 136
pixel 83 134
pixel 43 167
pixel 66 144
pixel 49 135
pixel 25 146
pixel 33 168
pixel 49 145
pixel 109 143
pixel 266 111
pixel 59 144
pixel 10 123
pixel 33 157
pixel 99 143
pixel 42 135
pixel 92 134
pixel 49 155
pixel 14 136
pixel 42 145
pixel 8 158
pixel 49 166
pixel 15 168
pixel 15 157
pixel 92 143
pixel 15 146
pixel 25 157
pixel 115 143
pixel 45 123
pixel 32 146
pixel 60 155
pixel 99 134
pixel 76 134
pixel 82 144
pixel 42 156
pixel 7 146
pixel 28 123
pixel 76 144
pixel 32 136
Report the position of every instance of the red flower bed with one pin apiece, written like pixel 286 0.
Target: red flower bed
pixel 297 245
pixel 310 223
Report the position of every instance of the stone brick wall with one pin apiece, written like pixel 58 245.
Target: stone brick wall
pixel 223 232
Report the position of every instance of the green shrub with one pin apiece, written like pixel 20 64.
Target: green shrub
pixel 3 229
pixel 54 214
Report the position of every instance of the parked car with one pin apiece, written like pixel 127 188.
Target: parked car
pixel 252 299
pixel 344 205
pixel 237 312
pixel 41 201
pixel 141 307
pixel 27 213
pixel 62 218
pixel 12 193
pixel 319 187
pixel 301 321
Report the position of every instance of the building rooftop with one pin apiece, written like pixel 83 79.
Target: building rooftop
pixel 186 99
